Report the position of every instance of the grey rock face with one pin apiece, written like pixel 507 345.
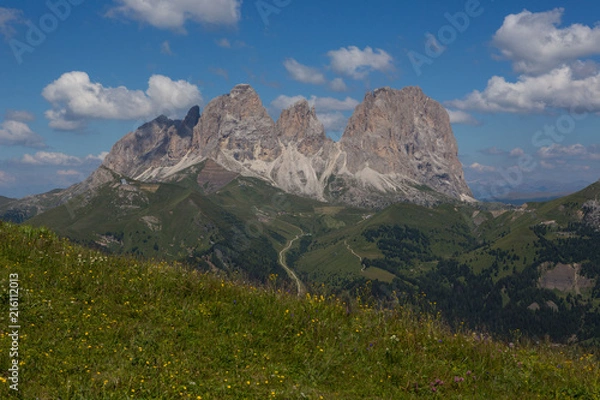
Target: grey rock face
pixel 591 216
pixel 159 143
pixel 300 126
pixel 402 136
pixel 398 146
pixel 239 125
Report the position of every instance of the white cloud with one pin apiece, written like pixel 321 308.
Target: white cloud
pixel 482 168
pixel 17 133
pixel 8 16
pixel 165 48
pixel 357 63
pixel 50 158
pixel 68 172
pixel 60 159
pixel 577 151
pixel 323 104
pixel 282 102
pixel 331 104
pixel 6 178
pixel 334 121
pixel 547 165
pixel 536 45
pixel 517 152
pixel 493 151
pixel 221 72
pixel 75 100
pixel 338 85
pixel 461 117
pixel 303 73
pixel 553 77
pixel 558 88
pixel 19 115
pixel 173 14
pixel 225 43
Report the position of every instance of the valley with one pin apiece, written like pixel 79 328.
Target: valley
pixel 384 214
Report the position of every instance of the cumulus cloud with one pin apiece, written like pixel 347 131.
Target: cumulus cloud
pixel 227 44
pixel 75 100
pixel 19 115
pixel 559 88
pixel 334 121
pixel 493 151
pixel 8 17
pixel 536 44
pixel 224 42
pixel 303 73
pixel 517 152
pixel 60 159
pixel 221 72
pixel 322 104
pixel 6 178
pixel 173 14
pixel 17 133
pixel 357 63
pixel 282 102
pixel 338 85
pixel 331 104
pixel 547 165
pixel 68 172
pixel 461 117
pixel 548 57
pixel 482 168
pixel 165 48
pixel 577 151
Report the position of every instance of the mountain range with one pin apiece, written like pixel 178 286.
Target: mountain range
pixel 396 143
pixel 231 191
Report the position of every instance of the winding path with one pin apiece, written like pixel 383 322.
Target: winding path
pixel 292 274
pixel 356 255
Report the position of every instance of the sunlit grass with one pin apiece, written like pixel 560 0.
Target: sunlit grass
pixel 97 327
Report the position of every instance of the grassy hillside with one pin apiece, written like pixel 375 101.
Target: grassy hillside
pixel 482 263
pixel 97 327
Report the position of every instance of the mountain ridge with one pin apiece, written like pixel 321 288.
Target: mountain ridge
pixel 396 142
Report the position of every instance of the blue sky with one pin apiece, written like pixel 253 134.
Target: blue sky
pixel 520 78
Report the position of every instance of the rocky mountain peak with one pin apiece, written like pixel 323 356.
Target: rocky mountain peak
pixel 243 102
pixel 158 143
pixel 299 125
pixel 403 134
pixel 238 123
pixel 396 144
pixel 190 121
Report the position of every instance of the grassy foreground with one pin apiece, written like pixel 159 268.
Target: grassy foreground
pixel 94 327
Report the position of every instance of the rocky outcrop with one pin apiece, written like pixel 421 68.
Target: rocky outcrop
pixel 398 146
pixel 236 126
pixel 299 126
pixel 591 217
pixel 158 144
pixel 397 138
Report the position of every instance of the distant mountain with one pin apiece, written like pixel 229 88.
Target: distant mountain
pixel 5 200
pixel 398 146
pixel 231 191
pixel 535 191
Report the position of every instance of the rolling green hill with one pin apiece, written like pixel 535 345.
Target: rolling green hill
pixel 98 327
pixel 494 267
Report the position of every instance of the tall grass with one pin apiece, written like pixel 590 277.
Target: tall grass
pixel 97 327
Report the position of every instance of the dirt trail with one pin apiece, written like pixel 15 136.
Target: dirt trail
pixel 292 274
pixel 356 255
